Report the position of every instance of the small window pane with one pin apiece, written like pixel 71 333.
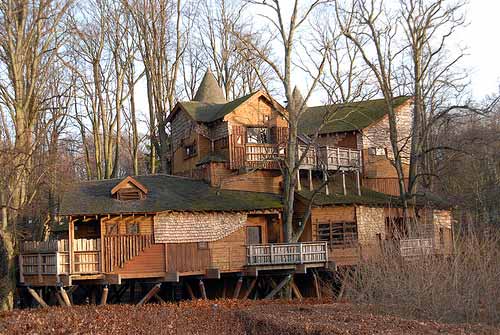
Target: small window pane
pixel 257 135
pixel 254 235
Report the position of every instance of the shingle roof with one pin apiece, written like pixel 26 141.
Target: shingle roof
pixel 345 117
pixel 209 90
pixel 208 112
pixel 165 193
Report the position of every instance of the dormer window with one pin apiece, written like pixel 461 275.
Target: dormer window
pixel 129 189
pixel 258 135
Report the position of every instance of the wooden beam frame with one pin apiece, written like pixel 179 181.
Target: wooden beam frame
pixel 237 289
pixel 37 297
pixel 202 289
pixel 154 290
pixel 279 287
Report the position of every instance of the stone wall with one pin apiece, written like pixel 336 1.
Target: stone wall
pixel 371 221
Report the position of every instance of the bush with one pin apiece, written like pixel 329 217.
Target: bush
pixel 464 287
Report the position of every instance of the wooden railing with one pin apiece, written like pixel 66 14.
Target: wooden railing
pixel 119 249
pixel 330 158
pixel 52 257
pixel 263 155
pixel 287 253
pixel 413 247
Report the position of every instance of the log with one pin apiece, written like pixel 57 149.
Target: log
pixel 38 299
pixel 278 287
pixel 60 300
pixel 237 289
pixel 150 294
pixel 65 296
pixel 104 296
pixel 316 285
pixel 202 289
pixel 190 291
pixel 296 290
pixel 250 288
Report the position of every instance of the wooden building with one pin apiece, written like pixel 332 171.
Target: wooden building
pixel 219 215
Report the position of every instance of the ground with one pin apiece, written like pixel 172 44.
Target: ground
pixel 223 317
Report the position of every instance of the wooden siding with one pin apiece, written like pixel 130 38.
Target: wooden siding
pixel 151 259
pixel 187 257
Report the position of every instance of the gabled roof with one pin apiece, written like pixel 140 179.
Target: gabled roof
pixel 129 180
pixel 345 117
pixel 209 90
pixel 165 193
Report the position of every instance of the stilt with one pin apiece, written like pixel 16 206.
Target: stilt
pixel 150 294
pixel 250 288
pixel 104 296
pixel 202 289
pixel 237 289
pixel 299 186
pixel 160 300
pixel 278 287
pixel 343 183
pixel 60 300
pixel 190 291
pixel 37 297
pixel 65 296
pixel 224 288
pixel 325 179
pixel 310 180
pixel 316 285
pixel 358 183
pixel 296 290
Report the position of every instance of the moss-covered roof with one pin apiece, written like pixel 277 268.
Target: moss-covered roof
pixel 212 158
pixel 165 192
pixel 208 112
pixel 345 117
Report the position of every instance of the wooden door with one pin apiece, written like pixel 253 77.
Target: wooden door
pixel 237 147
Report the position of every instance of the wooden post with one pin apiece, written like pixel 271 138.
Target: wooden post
pixel 325 179
pixel 237 289
pixel 250 288
pixel 71 233
pixel 278 287
pixel 190 291
pixel 344 190
pixel 60 300
pixel 310 180
pixel 316 285
pixel 21 272
pixel 37 297
pixel 65 296
pixel 299 186
pixel 104 296
pixel 358 183
pixel 150 294
pixel 202 289
pixel 160 300
pixel 102 266
pixel 296 290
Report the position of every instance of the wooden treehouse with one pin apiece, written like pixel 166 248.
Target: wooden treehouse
pixel 217 221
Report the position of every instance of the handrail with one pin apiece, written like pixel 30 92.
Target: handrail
pixel 287 253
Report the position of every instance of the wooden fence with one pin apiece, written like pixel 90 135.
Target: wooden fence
pixel 287 253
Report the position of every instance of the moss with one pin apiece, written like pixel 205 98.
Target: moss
pixel 345 117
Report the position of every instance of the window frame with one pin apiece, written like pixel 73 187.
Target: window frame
pixel 338 234
pixel 257 136
pixel 190 153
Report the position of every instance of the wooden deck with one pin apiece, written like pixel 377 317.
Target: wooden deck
pixel 287 253
pixel 330 158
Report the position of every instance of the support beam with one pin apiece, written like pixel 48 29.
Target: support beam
pixel 325 179
pixel 150 294
pixel 190 291
pixel 344 190
pixel 104 296
pixel 358 183
pixel 160 300
pixel 202 289
pixel 38 298
pixel 213 273
pixel 60 300
pixel 65 296
pixel 237 289
pixel 296 290
pixel 250 288
pixel 299 185
pixel 316 285
pixel 310 180
pixel 279 287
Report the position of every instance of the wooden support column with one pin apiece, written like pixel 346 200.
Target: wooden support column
pixel 237 289
pixel 150 294
pixel 104 296
pixel 190 291
pixel 296 290
pixel 299 185
pixel 344 190
pixel 278 287
pixel 60 300
pixel 358 183
pixel 37 297
pixel 65 296
pixel 250 288
pixel 71 236
pixel 310 180
pixel 316 285
pixel 325 179
pixel 202 289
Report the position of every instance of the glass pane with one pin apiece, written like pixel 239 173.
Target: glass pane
pixel 254 235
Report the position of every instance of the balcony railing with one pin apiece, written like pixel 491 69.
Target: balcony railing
pixel 263 155
pixel 330 158
pixel 287 253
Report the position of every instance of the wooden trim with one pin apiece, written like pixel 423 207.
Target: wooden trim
pixel 131 180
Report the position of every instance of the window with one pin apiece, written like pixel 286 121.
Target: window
pixel 133 228
pixel 254 235
pixel 203 245
pixel 338 234
pixel 112 229
pixel 190 150
pixel 376 151
pixel 129 193
pixel 258 135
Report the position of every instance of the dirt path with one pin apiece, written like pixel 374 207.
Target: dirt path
pixel 222 317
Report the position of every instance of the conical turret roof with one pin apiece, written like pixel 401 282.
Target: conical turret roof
pixel 209 91
pixel 297 97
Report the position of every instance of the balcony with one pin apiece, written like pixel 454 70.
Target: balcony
pixel 265 156
pixel 330 158
pixel 283 255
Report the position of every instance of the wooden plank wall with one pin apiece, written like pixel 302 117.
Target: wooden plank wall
pixel 187 257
